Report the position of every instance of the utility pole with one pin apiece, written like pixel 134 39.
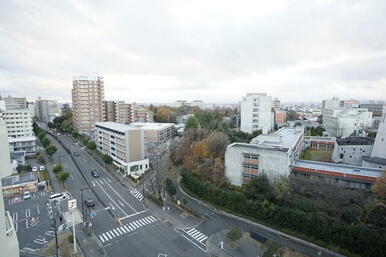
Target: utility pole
pixel 51 215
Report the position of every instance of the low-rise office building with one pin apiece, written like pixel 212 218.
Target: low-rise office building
pixel 125 144
pixel 156 132
pixel 18 184
pixel 351 150
pixel 27 145
pixel 271 154
pixel 345 175
pixel 319 143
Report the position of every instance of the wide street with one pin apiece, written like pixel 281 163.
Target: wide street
pixel 141 233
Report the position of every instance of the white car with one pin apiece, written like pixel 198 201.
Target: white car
pixel 34 168
pixel 27 195
pixel 42 168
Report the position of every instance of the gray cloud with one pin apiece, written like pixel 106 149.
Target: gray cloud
pixel 212 50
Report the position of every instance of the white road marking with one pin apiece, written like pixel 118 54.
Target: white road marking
pixel 109 180
pixel 37 209
pixel 30 249
pixel 191 241
pixel 105 236
pixel 26 223
pixel 134 225
pixel 101 238
pixel 131 215
pixel 141 222
pixel 27 213
pixel 93 184
pixel 121 198
pixel 108 234
pixel 16 227
pixel 14 216
pixel 115 231
pixel 121 203
pixel 111 198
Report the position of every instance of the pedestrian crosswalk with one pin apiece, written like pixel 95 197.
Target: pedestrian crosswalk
pixel 197 235
pixel 136 194
pixel 119 231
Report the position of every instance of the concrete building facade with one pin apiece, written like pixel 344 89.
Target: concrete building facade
pixel 122 112
pixel 377 158
pixel 47 110
pixel 319 143
pixel 344 122
pixel 351 150
pixel 15 102
pixel 271 154
pixel 9 243
pixel 19 122
pixel 125 144
pixel 256 113
pixel 87 102
pixel 156 132
pixel 280 116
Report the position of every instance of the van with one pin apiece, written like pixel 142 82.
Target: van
pixel 57 197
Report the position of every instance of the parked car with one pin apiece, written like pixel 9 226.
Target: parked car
pixel 76 154
pixel 89 203
pixel 42 168
pixel 94 173
pixel 27 195
pixel 34 168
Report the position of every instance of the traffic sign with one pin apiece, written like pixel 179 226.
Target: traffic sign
pixel 71 204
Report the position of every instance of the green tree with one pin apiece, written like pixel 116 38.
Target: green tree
pixel 234 234
pixel 40 158
pixel 192 122
pixel 63 176
pixel 57 168
pixel 46 142
pixel 107 159
pixel 85 141
pixel 51 150
pixel 170 187
pixel 258 188
pixel 41 134
pixel 91 146
pixel 20 168
pixel 281 188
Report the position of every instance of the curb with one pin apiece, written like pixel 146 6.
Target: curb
pixel 271 230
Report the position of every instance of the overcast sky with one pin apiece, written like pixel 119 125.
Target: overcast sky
pixel 214 50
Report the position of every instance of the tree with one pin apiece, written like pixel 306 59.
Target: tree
pixel 91 146
pixel 200 150
pixel 63 176
pixel 20 168
pixel 281 188
pixel 41 134
pixel 107 159
pixel 192 122
pixel 85 141
pixel 170 187
pixel 217 143
pixel 57 169
pixel 46 142
pixel 50 150
pixel 40 158
pixel 379 188
pixel 258 188
pixel 234 234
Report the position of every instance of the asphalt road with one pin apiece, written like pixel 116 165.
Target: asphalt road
pixel 141 234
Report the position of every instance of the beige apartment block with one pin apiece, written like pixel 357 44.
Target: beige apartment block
pixel 156 132
pixel 125 144
pixel 87 102
pixel 122 112
pixel 15 102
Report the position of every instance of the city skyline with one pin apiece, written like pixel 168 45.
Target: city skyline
pixel 297 51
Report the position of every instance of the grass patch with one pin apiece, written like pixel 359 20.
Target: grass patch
pixel 43 175
pixel 316 155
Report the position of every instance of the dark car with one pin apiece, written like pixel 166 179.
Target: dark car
pixel 94 173
pixel 89 203
pixel 76 154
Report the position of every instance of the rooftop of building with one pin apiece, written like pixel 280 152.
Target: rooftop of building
pixel 340 168
pixel 318 138
pixel 355 141
pixel 377 160
pixel 284 138
pixel 115 126
pixel 21 139
pixel 19 179
pixel 150 125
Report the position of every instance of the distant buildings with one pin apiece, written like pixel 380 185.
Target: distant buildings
pixel 271 154
pixel 15 102
pixel 122 112
pixel 125 144
pixel 182 119
pixel 344 122
pixel 181 103
pixel 19 122
pixel 87 102
pixel 280 116
pixel 329 104
pixel 256 113
pixel 276 104
pixel 351 103
pixel 47 110
pixel 156 132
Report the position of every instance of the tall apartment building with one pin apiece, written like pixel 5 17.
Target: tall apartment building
pixel 256 113
pixel 272 154
pixel 47 110
pixel 9 243
pixel 87 102
pixel 330 104
pixel 125 144
pixel 122 112
pixel 15 102
pixel 344 122
pixel 19 122
pixel 276 103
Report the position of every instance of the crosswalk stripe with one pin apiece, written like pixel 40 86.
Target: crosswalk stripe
pixel 152 218
pixel 131 227
pixel 124 229
pixel 121 230
pixel 142 223
pixel 148 220
pixel 110 235
pixel 134 225
pixel 128 228
pixel 101 238
pixel 190 230
pixel 105 237
pixel 115 231
pixel 203 239
pixel 145 221
pixel 200 237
